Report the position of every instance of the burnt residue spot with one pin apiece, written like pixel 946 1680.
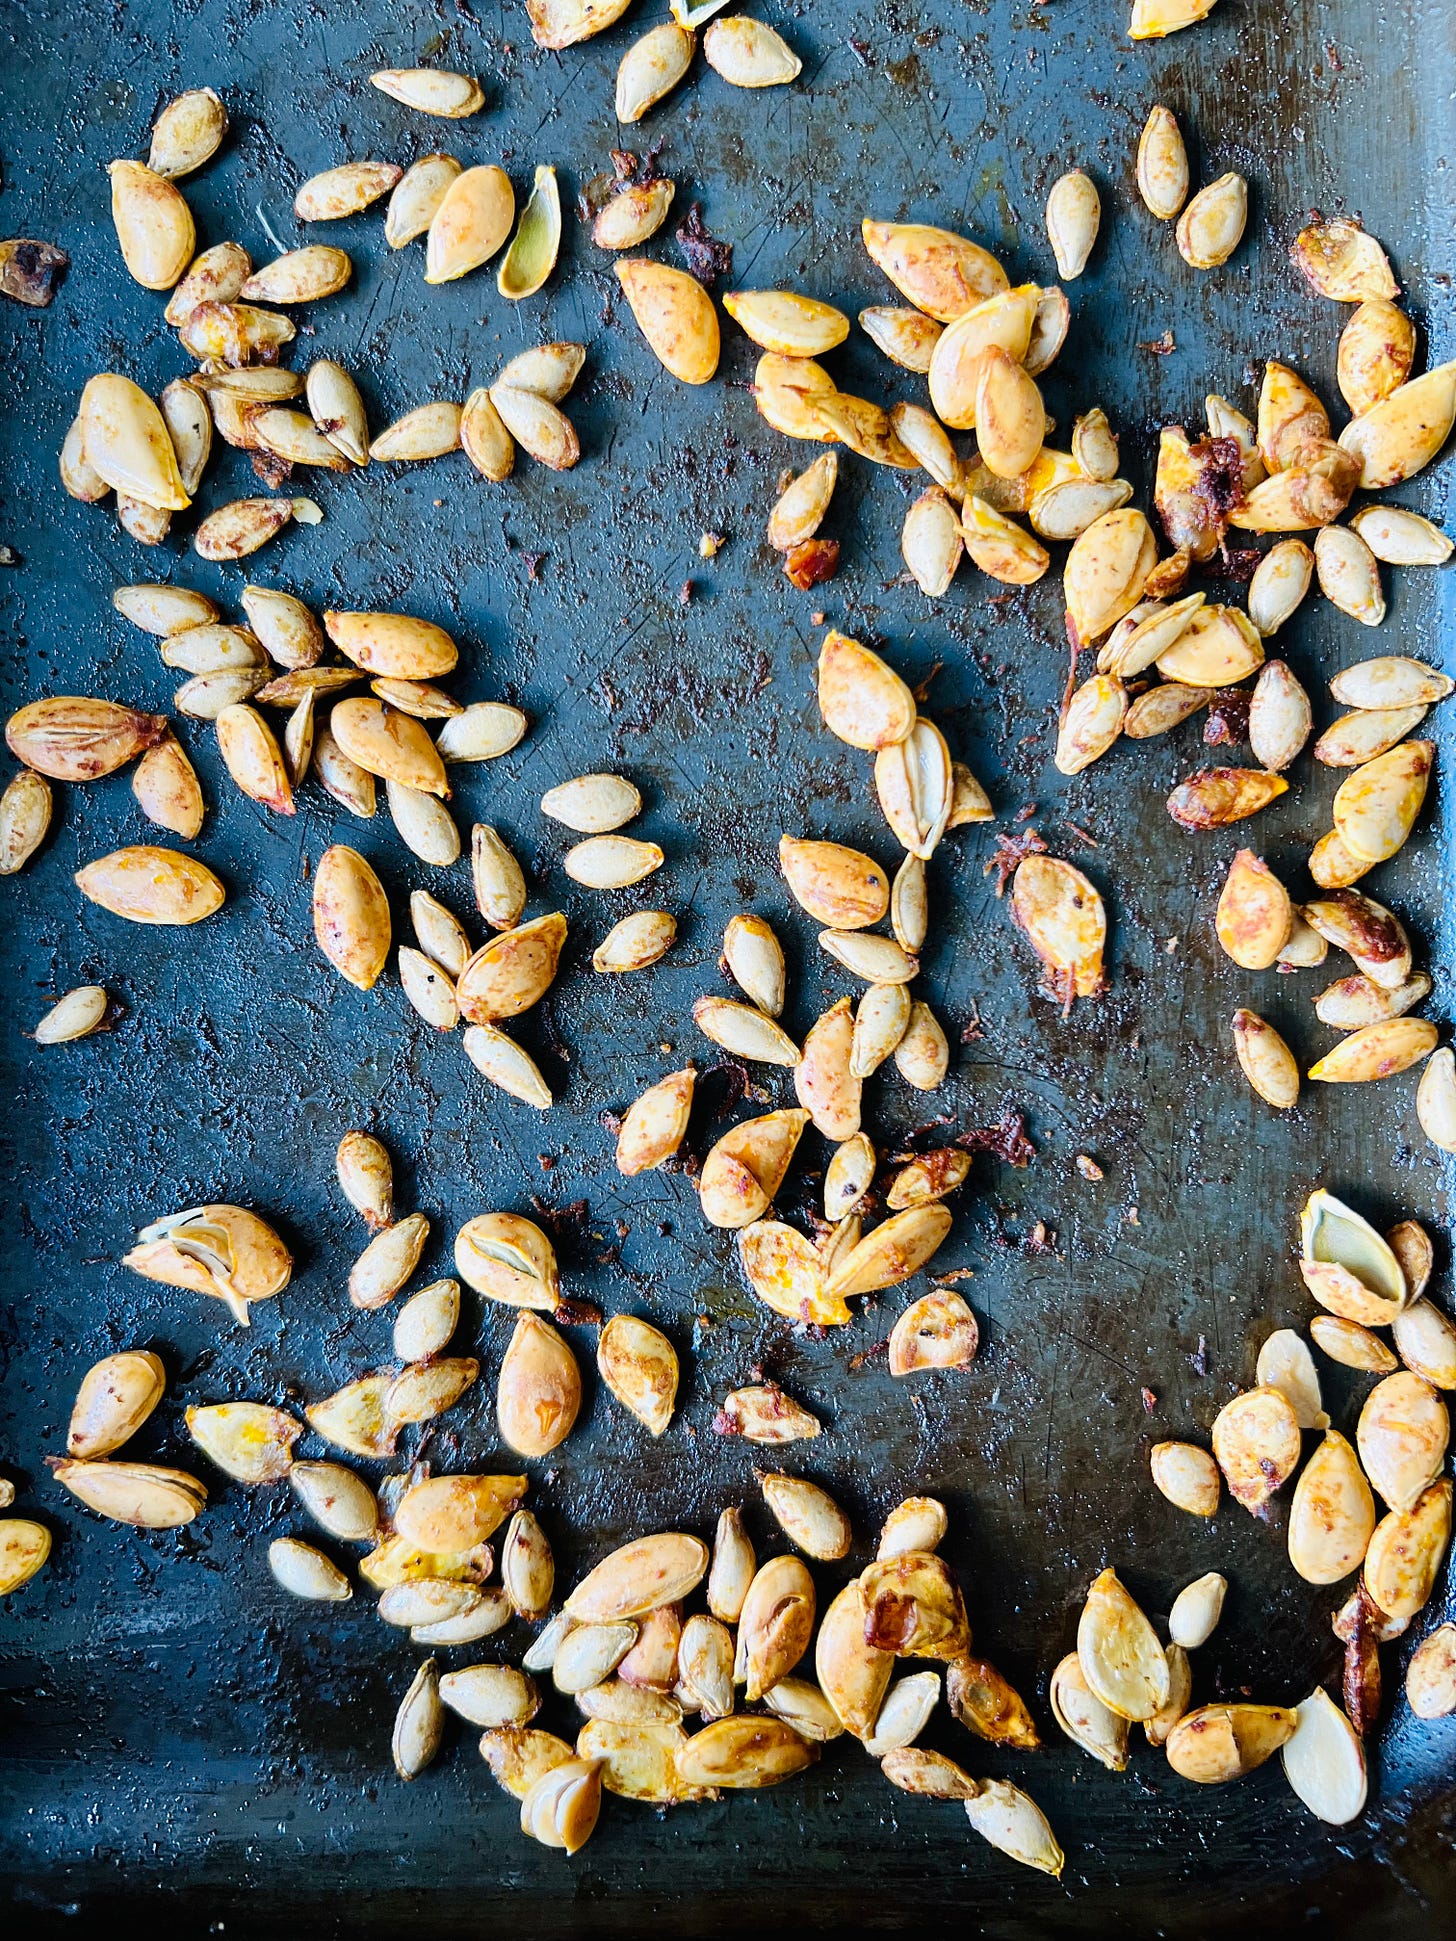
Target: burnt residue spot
pixel 1220 475
pixel 1007 1139
pixel 706 256
pixel 31 272
pixel 1227 722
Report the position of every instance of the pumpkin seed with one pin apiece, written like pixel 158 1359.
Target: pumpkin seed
pixel 431 91
pixel 824 1080
pixel 1119 1653
pixel 1376 1051
pixel 1348 575
pixel 247 1440
pixel 1004 1816
pixel 1285 1363
pixel 422 699
pixel 1217 797
pixel 235 530
pixel 1436 1100
pixel 1266 1060
pixel 206 695
pixel 1341 260
pixel 745 1168
pixel 639 1365
pixel 1377 349
pixel 419 1724
pixel 937 1331
pixel 388 744
pixel 1397 437
pixel 1256 1444
pixel 341 776
pixel 611 862
pixel 786 1272
pixel 387 1263
pixel 424 823
pixel 1064 920
pixel 115 1398
pixel 1162 165
pixel 905 1713
pixel 922 1056
pixel 941 273
pixel 149 885
pixel 776 1625
pixel 592 804
pixel 800 509
pixel 808 1515
pixel 1073 215
pixel 416 196
pixel 636 942
pixel 1324 1761
pixel 344 191
pixel 1196 1611
pixel 337 1500
pixel 508 1259
pixel 500 885
pixel 743 1752
pixel 153 225
pixel 745 1031
pixel 651 68
pixel 306 1572
pixel 880 1022
pixel 1255 915
pixel 1406 1550
pixel 535 423
pixel 538 1395
pixel 126 443
pixel 429 431
pixel 225 1251
pixel 639 1577
pixel 784 322
pixel 76 1015
pixel 862 700
pixel 1164 707
pixel 1187 1475
pixel 485 731
pixel 930 542
pixel 654 1125
pixel 1403 1434
pixel 215 276
pixel 1349 1343
pixel 749 54
pixel 212 649
pixel 351 916
pixel 1105 571
pixel 755 958
pixel 839 887
pixel 676 316
pixel 733 1568
pixel 353 1419
pixel 1354 1001
pixel 1081 1714
pixel 253 758
pixel 1391 682
pixel 1376 806
pixel 299 276
pixel 24 1548
pixel 1211 228
pixel 1430 1679
pixel 143 1494
pixel 1332 1514
pixel 635 212
pixel 895 1250
pixel 500 1059
pixel 907 337
pixel 1218 1743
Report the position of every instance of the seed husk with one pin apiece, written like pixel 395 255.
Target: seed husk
pixel 937 1331
pixel 1411 1245
pixel 801 507
pixel 1256 1444
pixel 429 431
pixel 1341 260
pixel 1331 1515
pixel 1347 1266
pixel 1211 228
pixel 745 1168
pixel 984 1702
pixel 1121 1659
pixel 519 1755
pixel 146 1495
pixel 225 1251
pixel 1406 1550
pixel 145 523
pixel 1286 1363
pixel 639 1365
pixel 651 68
pixel 907 337
pixel 1332 865
pixel 344 191
pixel 1377 349
pixel 76 1015
pixel 636 942
pixel 538 1395
pixel 248 1440
pixel 892 1252
pixel 676 316
pixel 1218 1743
pixel 1436 1100
pixel 416 196
pixel 1081 1714
pixel 351 916
pixel 1073 215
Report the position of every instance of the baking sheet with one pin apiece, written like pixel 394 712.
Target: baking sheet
pixel 178 1737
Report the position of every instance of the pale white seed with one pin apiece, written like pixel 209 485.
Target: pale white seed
pixel 306 1572
pixel 76 1015
pixel 593 805
pixel 1196 1611
pixel 504 1063
pixel 429 989
pixel 1073 215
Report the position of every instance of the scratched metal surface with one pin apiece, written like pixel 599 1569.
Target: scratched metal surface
pixel 179 1738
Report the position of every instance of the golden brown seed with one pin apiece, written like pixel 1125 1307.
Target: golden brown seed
pixel 416 196
pixel 351 916
pixel 839 887
pixel 235 530
pixel 612 862
pixel 1187 1475
pixel 538 1394
pixel 344 191
pixel 76 1015
pixel 115 1398
pixel 941 273
pixel 1377 349
pixel 1218 1743
pixel 1436 1100
pixel 635 212
pixel 1331 1515
pixel 1376 1051
pixel 937 1331
pixel 387 1263
pixel 538 426
pixel 1118 1651
pixel 431 91
pixel 1256 1443
pixel 1211 228
pixel 907 337
pixel 651 68
pixel 429 431
pixel 922 1056
pixel 656 1123
pixel 1403 1435
pixel 639 1365
pixel 1430 1679
pixel 1396 438
pixel 636 942
pixel 1073 215
pixel 76 739
pixel 146 1495
pixel 149 885
pixel 1343 261
pixel 1162 165
pixel 1406 1551
pixel 153 225
pixel 1064 919
pixel 824 1080
pixel 24 1547
pixel 676 316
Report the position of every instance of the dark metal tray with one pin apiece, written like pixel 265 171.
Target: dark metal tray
pixel 182 1744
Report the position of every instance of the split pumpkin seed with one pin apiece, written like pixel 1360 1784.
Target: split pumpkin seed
pixel 907 337
pixel 1324 1761
pixel 639 1365
pixel 1430 1679
pixel 24 1548
pixel 509 1259
pixel 937 1331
